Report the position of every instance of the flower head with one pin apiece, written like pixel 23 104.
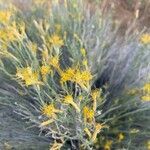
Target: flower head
pixel 145 38
pixel 146 88
pixel 30 77
pixel 85 62
pixel 45 70
pixel 98 128
pixel 95 94
pixel 108 145
pixel 55 40
pixel 148 145
pixel 146 98
pixel 120 137
pixel 83 52
pixel 7 34
pixel 78 76
pixel 5 16
pixel 88 114
pixel 50 111
pixel 54 61
pixel 83 78
pixel 56 146
pixel 69 100
pixel 67 75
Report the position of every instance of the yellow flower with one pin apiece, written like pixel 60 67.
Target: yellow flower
pixel 98 128
pixel 30 77
pixel 56 146
pixel 146 88
pixel 54 61
pixel 145 38
pixel 107 145
pixel 7 34
pixel 146 98
pixel 75 75
pixel 67 75
pixel 120 137
pixel 50 111
pixel 88 114
pixel 23 72
pixel 85 62
pixel 69 100
pixel 83 52
pixel 55 40
pixel 83 78
pixel 5 16
pixel 80 97
pixel 148 145
pixel 95 94
pixel 45 70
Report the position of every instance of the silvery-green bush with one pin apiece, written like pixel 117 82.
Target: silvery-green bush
pixel 86 42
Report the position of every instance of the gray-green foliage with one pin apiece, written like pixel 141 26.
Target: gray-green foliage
pixel 122 63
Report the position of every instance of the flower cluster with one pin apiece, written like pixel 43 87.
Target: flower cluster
pixel 42 74
pixel 75 75
pixel 27 75
pixel 145 38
